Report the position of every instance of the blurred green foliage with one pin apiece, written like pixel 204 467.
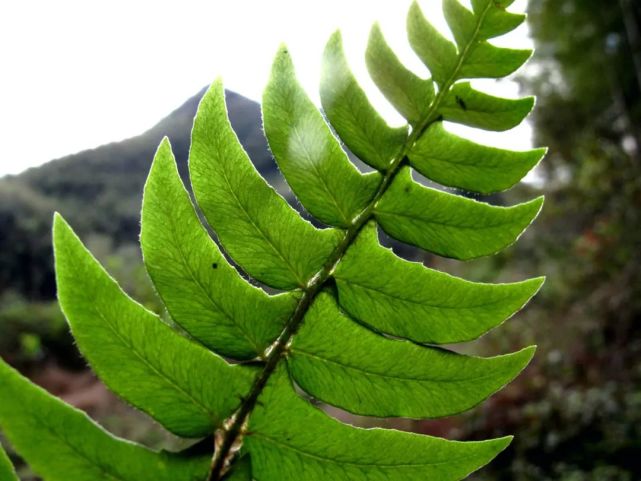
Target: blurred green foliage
pixel 29 329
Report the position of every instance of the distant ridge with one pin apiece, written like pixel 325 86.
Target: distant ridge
pixel 99 191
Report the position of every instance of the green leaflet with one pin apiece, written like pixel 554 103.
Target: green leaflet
pixel 409 94
pixel 487 61
pixel 467 106
pixel 328 450
pixel 447 224
pixel 437 53
pixel 497 20
pixel 402 379
pixel 136 354
pixel 202 292
pixel 260 231
pixel 408 300
pixel 315 166
pixel 494 20
pixel 347 108
pixel 7 473
pixel 61 443
pixel 456 162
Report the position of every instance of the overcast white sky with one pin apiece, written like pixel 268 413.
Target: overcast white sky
pixel 78 74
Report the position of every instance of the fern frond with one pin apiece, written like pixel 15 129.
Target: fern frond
pixel 351 325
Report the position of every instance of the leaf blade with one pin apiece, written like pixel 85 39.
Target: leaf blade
pixel 327 449
pixel 71 447
pixel 410 95
pixel 450 225
pixel 467 106
pixel 407 300
pixel 7 472
pixel 134 352
pixel 488 61
pixel 461 21
pixel 437 53
pixel 457 162
pixel 498 21
pixel 401 380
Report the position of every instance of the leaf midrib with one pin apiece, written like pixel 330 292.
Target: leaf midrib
pixel 414 219
pixel 358 465
pixel 473 379
pixel 417 302
pixel 471 164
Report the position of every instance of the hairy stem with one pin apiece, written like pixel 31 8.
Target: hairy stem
pixel 316 283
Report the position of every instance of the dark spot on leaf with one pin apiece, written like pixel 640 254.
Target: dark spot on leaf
pixel 214 265
pixel 407 188
pixel 461 102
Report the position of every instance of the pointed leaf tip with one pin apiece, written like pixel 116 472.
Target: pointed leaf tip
pixel 165 143
pixel 336 36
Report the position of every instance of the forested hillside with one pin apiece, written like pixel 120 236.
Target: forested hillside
pixel 99 191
